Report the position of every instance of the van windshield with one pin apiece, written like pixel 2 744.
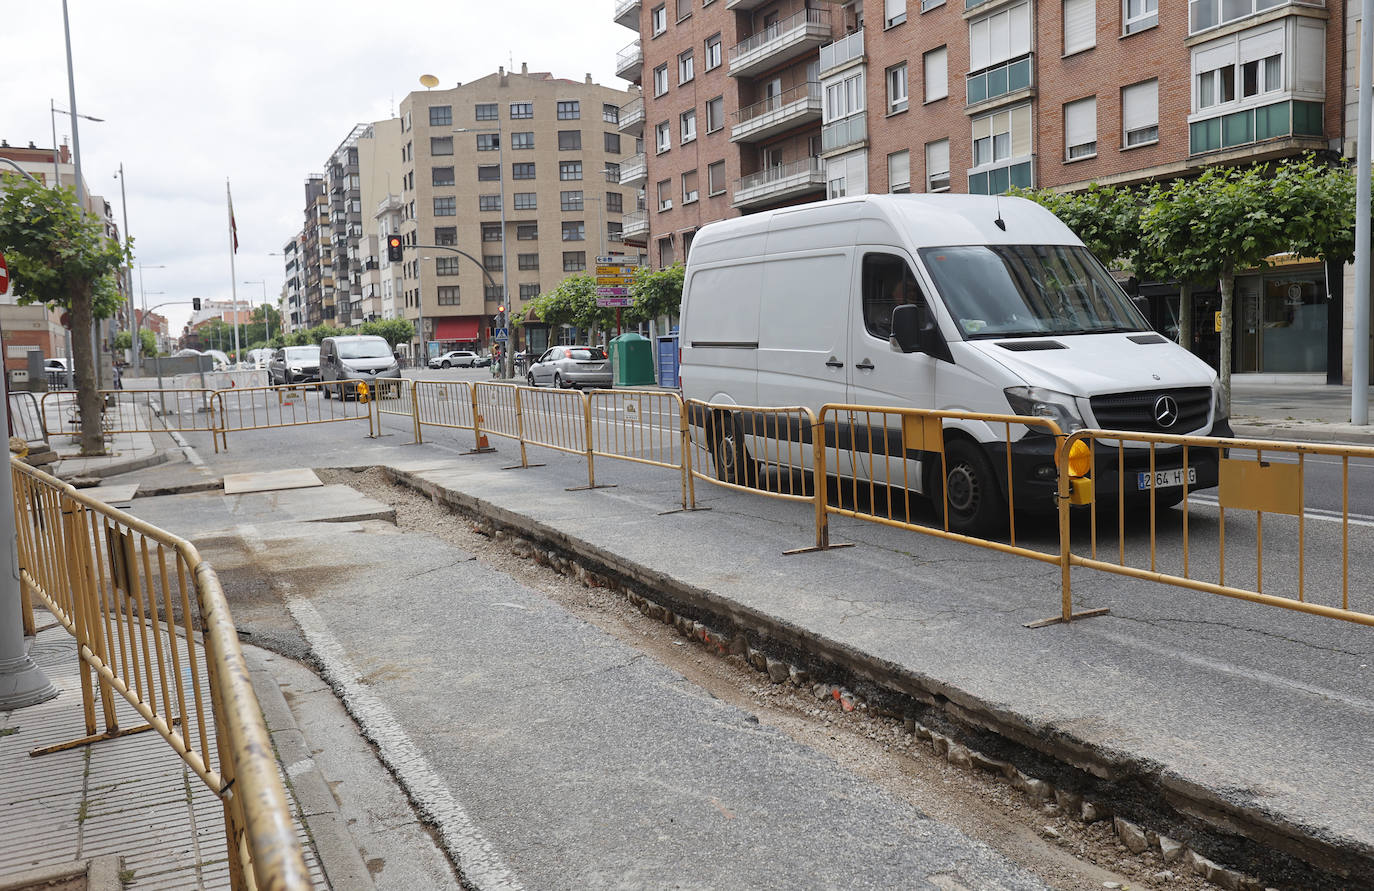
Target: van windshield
pixel 1029 290
pixel 364 349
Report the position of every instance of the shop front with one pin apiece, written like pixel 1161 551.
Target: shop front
pixel 456 333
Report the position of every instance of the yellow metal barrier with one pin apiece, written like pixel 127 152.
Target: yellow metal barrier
pixel 152 622
pixel 262 408
pixel 644 426
pixel 448 404
pixel 1260 494
pixel 555 419
pixel 394 396
pixel 496 408
pixel 135 411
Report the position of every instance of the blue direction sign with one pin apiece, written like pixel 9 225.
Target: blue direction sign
pixel 499 334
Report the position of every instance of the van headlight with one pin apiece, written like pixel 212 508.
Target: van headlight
pixel 1037 403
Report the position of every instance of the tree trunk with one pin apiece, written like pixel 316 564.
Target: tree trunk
pixel 1185 316
pixel 1228 325
pixel 83 361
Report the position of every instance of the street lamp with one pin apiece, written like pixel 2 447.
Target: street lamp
pixel 143 302
pixel 266 317
pixel 53 112
pixel 501 180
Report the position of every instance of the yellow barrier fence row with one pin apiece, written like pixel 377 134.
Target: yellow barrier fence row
pixel 448 404
pixel 152 622
pixel 293 405
pixel 136 411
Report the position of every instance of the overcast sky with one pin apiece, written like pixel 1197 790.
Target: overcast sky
pixel 259 93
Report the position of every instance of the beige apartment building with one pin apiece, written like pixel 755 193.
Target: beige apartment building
pixel 507 184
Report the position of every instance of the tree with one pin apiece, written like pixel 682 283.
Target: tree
pixel 393 330
pixel 1105 218
pixel 60 257
pixel 123 340
pixel 656 292
pixel 572 302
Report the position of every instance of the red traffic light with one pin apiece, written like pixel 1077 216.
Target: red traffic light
pixel 393 248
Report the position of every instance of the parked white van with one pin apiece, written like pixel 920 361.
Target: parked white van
pixel 962 302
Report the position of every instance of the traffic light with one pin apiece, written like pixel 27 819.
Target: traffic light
pixel 393 248
pixel 195 304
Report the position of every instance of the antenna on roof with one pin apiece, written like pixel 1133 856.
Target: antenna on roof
pixel 1001 223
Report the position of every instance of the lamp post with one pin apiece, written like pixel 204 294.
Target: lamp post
pixel 53 112
pixel 143 302
pixel 266 317
pixel 501 182
pixel 129 273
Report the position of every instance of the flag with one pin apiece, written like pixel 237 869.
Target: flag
pixel 233 226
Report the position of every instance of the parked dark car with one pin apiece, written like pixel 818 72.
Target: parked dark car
pixel 294 365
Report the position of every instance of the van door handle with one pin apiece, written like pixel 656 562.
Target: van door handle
pixel 832 362
pixel 865 365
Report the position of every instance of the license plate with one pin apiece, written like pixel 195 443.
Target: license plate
pixel 1166 479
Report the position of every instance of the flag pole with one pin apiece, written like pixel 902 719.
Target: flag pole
pixel 233 276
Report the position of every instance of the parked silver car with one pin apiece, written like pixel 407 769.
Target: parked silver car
pixel 571 366
pixel 460 358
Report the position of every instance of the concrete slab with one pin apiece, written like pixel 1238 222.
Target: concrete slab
pixel 270 481
pixel 198 514
pixel 117 495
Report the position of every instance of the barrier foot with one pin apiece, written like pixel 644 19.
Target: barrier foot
pixel 585 488
pixel 521 466
pixel 91 740
pixel 807 550
pixel 481 451
pixel 680 510
pixel 1085 614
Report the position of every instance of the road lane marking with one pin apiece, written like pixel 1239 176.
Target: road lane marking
pixel 1312 513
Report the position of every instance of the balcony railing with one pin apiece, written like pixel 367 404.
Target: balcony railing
pixel 781 182
pixel 783 40
pixel 845 132
pixel 629 61
pixel 999 81
pixel 627 14
pixel 633 170
pixel 784 111
pixel 1251 125
pixel 634 224
pixel 846 49
pixel 632 117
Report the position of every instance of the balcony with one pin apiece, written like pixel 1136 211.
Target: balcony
pixel 635 225
pixel 776 184
pixel 627 14
pixel 633 170
pixel 845 133
pixel 1009 77
pixel 632 117
pixel 790 108
pixel 797 35
pixel 744 5
pixel 629 63
pixel 842 52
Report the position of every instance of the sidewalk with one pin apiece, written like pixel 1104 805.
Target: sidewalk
pixel 1295 407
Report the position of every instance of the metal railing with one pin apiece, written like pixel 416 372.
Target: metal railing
pixel 842 50
pixel 803 93
pixel 152 623
pixel 644 427
pixel 189 410
pixel 447 404
pixel 292 405
pixel 779 31
pixel 846 131
pixel 26 417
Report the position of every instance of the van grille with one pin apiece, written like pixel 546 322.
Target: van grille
pixel 1136 411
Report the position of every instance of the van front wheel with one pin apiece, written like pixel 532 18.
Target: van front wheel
pixel 732 461
pixel 971 491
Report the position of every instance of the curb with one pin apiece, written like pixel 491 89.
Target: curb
pixel 113 468
pixel 314 802
pixel 1341 434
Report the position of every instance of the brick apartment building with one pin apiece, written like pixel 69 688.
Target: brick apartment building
pixel 751 104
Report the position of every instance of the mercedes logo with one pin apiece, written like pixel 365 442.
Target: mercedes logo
pixel 1166 411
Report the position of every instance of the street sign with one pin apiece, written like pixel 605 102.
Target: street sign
pixel 620 281
pixel 4 275
pixel 627 271
pixel 612 291
pixel 499 334
pixel 619 259
pixel 615 301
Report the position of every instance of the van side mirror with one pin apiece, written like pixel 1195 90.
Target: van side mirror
pixel 914 331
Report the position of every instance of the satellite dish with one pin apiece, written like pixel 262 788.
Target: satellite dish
pixel 429 80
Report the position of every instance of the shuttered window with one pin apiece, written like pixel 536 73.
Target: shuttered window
pixel 937 166
pixel 1080 129
pixel 894 12
pixel 936 74
pixel 899 171
pixel 1080 25
pixel 1140 113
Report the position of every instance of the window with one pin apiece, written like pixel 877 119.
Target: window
pixel 715 178
pixel 522 171
pixel 488 202
pixel 661 80
pixel 894 12
pixel 570 200
pixel 937 166
pixel 527 261
pixel 448 295
pixel 488 111
pixel 715 114
pixel 1140 113
pixel 896 88
pixel 492 292
pixel 999 37
pixel 689 187
pixel 491 231
pixel 488 173
pixel 614 202
pixel 615 231
pixel 574 231
pixel 665 194
pixel 663 137
pixel 611 143
pixel 446 207
pixel 843 98
pixel 574 261
pixel 521 111
pixel 529 291
pixel 569 140
pixel 658 20
pixel 899 171
pixel 1141 14
pixel 446 265
pixel 936 66
pixel 527 232
pixel 684 9
pixel 446 235
pixel 1216 86
pixel 1080 129
pixel 487 142
pixel 612 173
pixel 569 170
pixel 928 5
pixel 688 121
pixel 492 262
pixel 887 283
pixel 569 110
pixel 712 48
pixel 665 252
pixel 441 116
pixel 686 67
pixel 526 201
pixel 610 113
pixel 1002 147
pixel 441 145
pixel 441 176
pixel 1080 25
pixel 524 140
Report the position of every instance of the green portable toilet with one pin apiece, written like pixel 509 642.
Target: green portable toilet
pixel 632 361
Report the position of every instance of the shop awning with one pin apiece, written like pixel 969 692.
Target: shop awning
pixel 457 328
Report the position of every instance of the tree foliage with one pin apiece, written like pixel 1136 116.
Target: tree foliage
pixel 124 340
pixel 393 330
pixel 1106 218
pixel 656 292
pixel 572 302
pixel 60 256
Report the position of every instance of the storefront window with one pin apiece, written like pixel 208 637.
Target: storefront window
pixel 1281 323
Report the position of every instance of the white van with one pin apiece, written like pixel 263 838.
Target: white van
pixel 1007 312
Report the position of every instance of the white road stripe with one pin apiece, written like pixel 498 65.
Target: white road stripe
pixel 1312 513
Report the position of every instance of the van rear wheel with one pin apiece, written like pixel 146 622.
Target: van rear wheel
pixel 733 463
pixel 970 490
